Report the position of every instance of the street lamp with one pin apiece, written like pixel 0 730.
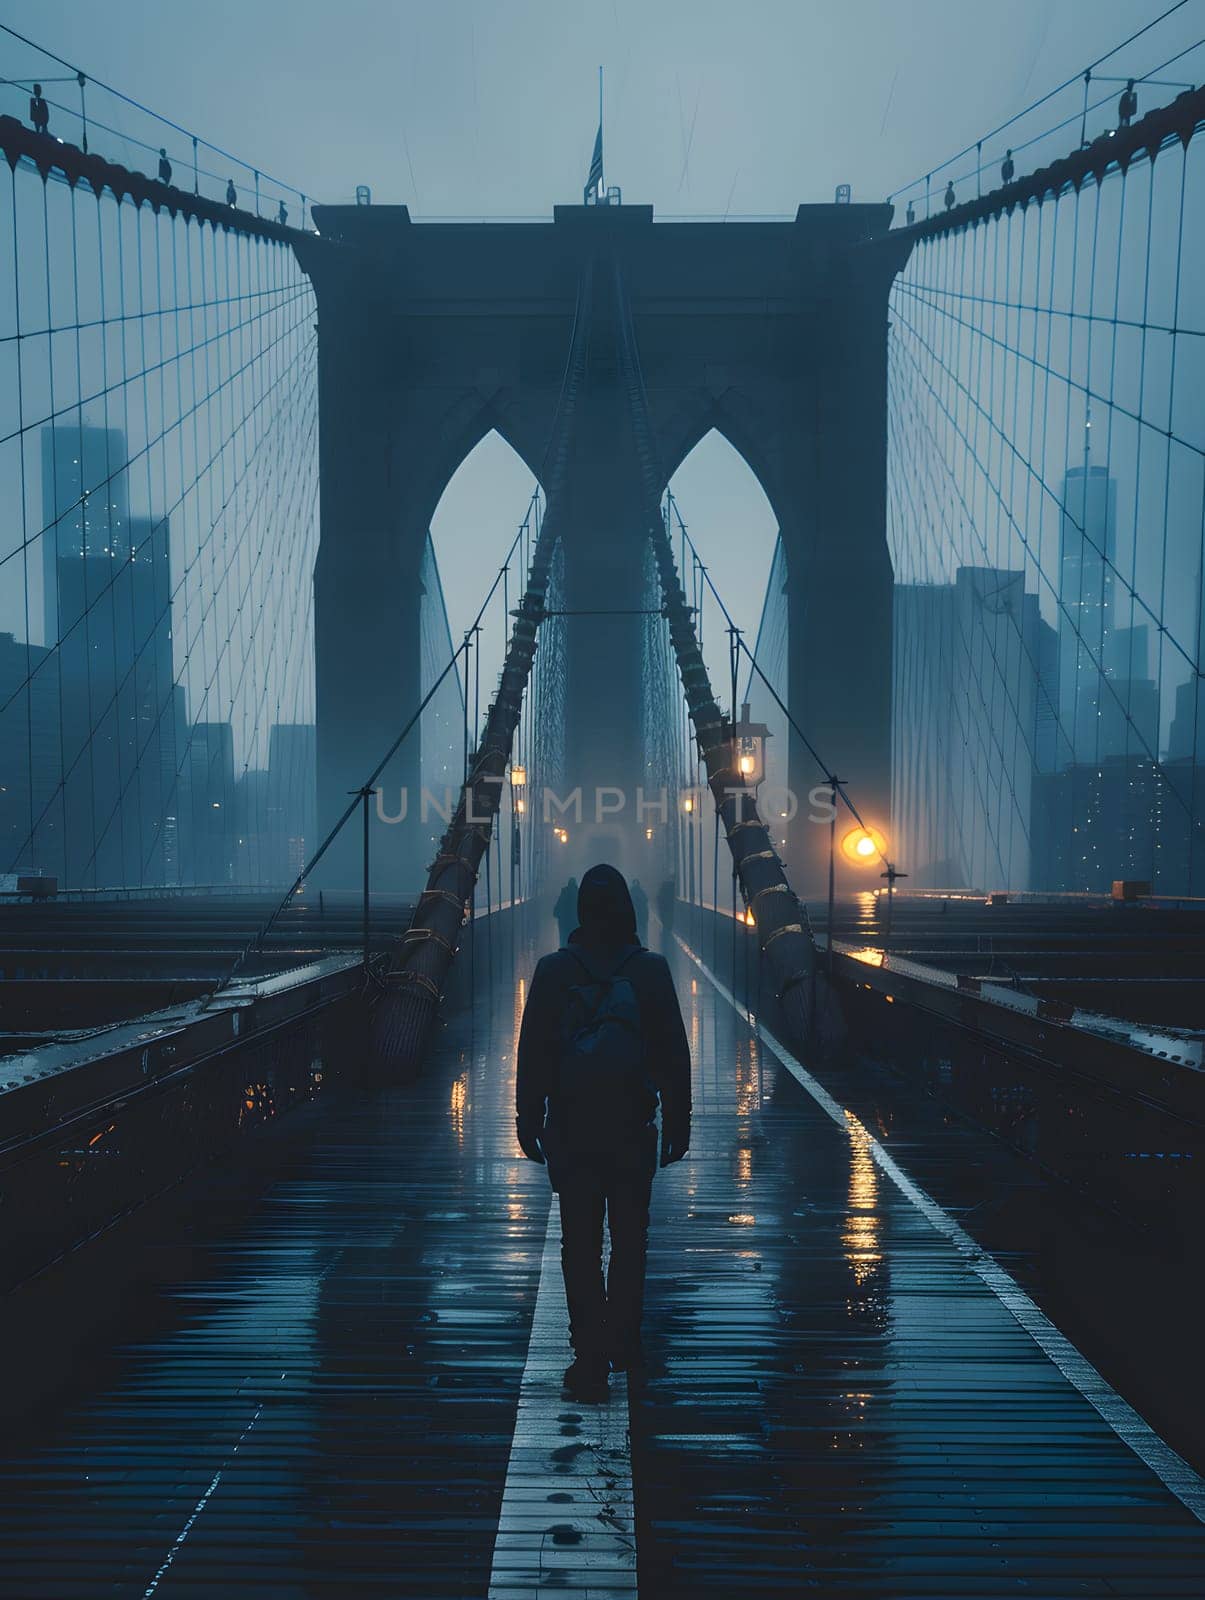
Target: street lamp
pixel 690 807
pixel 749 748
pixel 518 780
pixel 863 846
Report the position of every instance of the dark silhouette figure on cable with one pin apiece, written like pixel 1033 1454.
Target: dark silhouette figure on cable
pixel 602 1041
pixel 640 903
pixel 39 111
pixel 231 193
pixel 950 195
pixel 1127 106
pixel 1008 168
pixel 565 910
pixel 282 216
pixel 165 168
pixel 667 900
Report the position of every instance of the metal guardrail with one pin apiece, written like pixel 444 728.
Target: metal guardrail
pixel 1164 1065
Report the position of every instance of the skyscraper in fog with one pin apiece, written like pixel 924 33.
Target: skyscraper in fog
pixel 107 588
pixel 292 800
pixel 1101 814
pixel 85 508
pixel 148 700
pixel 1129 710
pixel 209 763
pixel 31 812
pixel 967 672
pixel 1087 545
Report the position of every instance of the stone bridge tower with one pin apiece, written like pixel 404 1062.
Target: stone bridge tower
pixel 773 333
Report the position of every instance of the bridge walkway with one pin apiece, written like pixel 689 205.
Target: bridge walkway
pixel 351 1389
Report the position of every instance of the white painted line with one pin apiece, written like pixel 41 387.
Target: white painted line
pixel 1168 1466
pixel 566 1525
pixel 198 1508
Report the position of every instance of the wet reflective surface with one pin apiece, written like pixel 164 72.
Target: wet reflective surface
pixel 317 1395
pixel 838 1405
pixel 321 1392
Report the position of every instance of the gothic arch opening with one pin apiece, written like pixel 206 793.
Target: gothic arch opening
pixel 733 526
pixel 472 527
pixel 735 531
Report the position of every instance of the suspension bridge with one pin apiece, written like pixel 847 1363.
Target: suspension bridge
pixel 924 851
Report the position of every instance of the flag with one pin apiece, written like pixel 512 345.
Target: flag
pixel 594 178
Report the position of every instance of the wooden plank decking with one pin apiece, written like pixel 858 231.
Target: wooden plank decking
pixel 328 1401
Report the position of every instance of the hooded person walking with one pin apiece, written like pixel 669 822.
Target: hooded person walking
pixel 601 1045
pixel 565 911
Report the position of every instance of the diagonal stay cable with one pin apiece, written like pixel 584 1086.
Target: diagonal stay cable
pixel 165 610
pixel 128 378
pixel 177 423
pixel 268 526
pixel 1061 605
pixel 256 942
pixel 833 782
pixel 369 783
pixel 158 522
pixel 143 316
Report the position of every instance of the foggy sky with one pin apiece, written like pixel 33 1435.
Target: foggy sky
pixel 467 108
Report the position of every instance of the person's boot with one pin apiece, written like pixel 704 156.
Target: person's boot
pixel 586 1379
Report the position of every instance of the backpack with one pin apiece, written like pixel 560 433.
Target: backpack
pixel 602 1082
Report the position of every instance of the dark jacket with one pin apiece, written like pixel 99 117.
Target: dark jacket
pixel 666 1052
pixel 606 936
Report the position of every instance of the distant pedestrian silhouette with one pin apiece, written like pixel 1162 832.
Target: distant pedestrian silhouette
pixel 231 193
pixel 39 111
pixel 640 903
pixel 910 214
pixel 282 216
pixel 1127 106
pixel 165 168
pixel 602 1042
pixel 565 910
pixel 1008 168
pixel 667 900
pixel 950 195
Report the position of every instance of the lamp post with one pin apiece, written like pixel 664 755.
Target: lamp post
pixel 688 806
pixel 835 786
pixel 891 875
pixel 749 762
pixel 366 793
pixel 518 782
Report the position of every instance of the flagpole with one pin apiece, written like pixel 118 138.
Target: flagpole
pixel 602 143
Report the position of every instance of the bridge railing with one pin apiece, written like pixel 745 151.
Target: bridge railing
pixel 99 119
pixel 1165 55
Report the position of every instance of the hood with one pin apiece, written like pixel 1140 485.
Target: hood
pixel 604 907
